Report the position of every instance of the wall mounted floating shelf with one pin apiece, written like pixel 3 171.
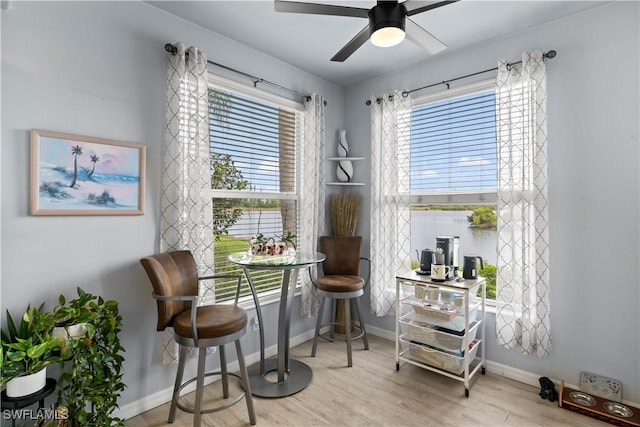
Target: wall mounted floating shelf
pixel 349 159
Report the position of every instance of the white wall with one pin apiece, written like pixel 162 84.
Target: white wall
pixel 593 185
pixel 98 69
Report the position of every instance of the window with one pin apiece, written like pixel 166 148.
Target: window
pixel 253 177
pixel 454 173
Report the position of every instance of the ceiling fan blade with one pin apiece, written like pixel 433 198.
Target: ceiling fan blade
pixel 414 7
pixel 319 9
pixel 352 46
pixel 423 38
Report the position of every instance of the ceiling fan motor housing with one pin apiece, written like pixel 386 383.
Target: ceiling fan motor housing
pixel 387 14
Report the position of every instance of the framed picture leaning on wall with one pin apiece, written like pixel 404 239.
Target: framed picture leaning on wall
pixel 81 175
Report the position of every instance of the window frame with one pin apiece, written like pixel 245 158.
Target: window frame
pixel 475 198
pixel 226 84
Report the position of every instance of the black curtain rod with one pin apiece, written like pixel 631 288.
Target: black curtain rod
pixel 174 50
pixel 550 54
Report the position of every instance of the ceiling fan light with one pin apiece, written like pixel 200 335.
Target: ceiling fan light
pixel 387 36
pixel 387 23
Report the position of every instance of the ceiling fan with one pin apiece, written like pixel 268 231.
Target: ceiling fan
pixel 388 22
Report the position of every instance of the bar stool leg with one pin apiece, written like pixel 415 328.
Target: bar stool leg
pixel 347 326
pixel 176 388
pixel 318 325
pixel 245 384
pixel 334 310
pixel 197 409
pixel 223 370
pixel 362 327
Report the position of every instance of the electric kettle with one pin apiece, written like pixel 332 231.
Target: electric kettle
pixel 470 268
pixel 426 258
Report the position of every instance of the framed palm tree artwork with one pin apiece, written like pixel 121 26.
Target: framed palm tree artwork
pixel 81 175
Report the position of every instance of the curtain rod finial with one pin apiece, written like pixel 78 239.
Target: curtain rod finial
pixel 551 54
pixel 171 48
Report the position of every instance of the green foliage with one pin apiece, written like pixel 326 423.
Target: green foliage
pixel 27 347
pixel 92 382
pixel 289 239
pixel 483 217
pixel 489 273
pixel 225 176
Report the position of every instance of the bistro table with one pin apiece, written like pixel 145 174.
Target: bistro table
pixel 293 375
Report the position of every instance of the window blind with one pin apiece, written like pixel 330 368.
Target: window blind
pixel 253 166
pixel 453 145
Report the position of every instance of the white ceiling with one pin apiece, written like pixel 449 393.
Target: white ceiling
pixel 309 41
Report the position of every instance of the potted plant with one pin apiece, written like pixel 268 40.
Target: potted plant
pixel 26 350
pixel 91 379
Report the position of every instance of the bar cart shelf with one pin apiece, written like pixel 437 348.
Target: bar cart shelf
pixel 440 326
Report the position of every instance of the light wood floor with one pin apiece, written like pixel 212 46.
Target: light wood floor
pixel 373 393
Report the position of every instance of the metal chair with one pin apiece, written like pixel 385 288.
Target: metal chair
pixel 174 277
pixel 340 280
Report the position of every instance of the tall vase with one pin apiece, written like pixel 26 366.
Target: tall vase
pixel 343 146
pixel 344 170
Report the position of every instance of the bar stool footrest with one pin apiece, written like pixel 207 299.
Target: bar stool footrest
pixel 191 409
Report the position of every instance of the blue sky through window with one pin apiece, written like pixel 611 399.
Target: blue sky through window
pixel 453 144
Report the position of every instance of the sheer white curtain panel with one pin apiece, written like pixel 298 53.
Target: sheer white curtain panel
pixel 522 279
pixel 186 205
pixel 390 197
pixel 312 204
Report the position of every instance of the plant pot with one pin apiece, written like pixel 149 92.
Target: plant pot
pixel 75 331
pixel 27 384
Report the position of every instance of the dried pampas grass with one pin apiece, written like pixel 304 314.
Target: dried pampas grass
pixel 344 209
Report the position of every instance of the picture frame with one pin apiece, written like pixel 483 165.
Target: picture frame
pixel 83 175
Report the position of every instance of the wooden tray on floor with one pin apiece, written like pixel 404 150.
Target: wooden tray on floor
pixel 597 410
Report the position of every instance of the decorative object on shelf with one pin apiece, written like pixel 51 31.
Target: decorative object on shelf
pixel 343 145
pixel 82 175
pixel 344 209
pixel 344 170
pixel 26 350
pixel 91 384
pixel 263 246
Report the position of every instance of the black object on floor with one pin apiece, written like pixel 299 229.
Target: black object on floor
pixel 548 389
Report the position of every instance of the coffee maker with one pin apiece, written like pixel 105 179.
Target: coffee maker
pixel 445 246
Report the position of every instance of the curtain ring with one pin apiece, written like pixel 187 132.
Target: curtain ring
pixel 390 97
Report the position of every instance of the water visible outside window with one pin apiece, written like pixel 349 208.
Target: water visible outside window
pixel 480 240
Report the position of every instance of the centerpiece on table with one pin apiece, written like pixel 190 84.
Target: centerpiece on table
pixel 259 245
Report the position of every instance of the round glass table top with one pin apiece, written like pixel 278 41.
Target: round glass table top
pixel 292 259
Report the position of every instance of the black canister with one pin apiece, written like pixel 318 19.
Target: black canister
pixel 470 268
